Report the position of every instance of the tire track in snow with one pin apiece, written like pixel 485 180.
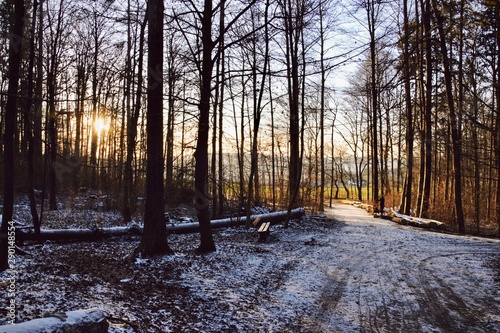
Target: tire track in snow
pixel 391 291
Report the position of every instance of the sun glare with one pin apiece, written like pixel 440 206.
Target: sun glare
pixel 100 125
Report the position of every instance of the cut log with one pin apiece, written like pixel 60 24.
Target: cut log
pixel 415 221
pixel 81 321
pixel 182 228
pixel 77 234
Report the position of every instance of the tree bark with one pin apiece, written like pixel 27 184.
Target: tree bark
pixel 374 98
pixel 15 52
pixel 321 205
pixel 257 115
pixel 154 240
pixel 201 154
pixel 132 121
pixel 497 125
pixel 454 124
pixel 407 191
pixel 292 21
pixel 28 124
pixel 427 173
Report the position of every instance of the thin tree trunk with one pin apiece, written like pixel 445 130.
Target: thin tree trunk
pixel 30 142
pixel 374 99
pixel 207 243
pixel 426 191
pixel 322 111
pixel 273 142
pixel 407 189
pixel 52 121
pixel 173 77
pixel 497 125
pixel 257 113
pixel 220 188
pixel 129 195
pixel 292 34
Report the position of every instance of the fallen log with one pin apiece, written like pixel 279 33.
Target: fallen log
pixel 415 221
pixel 77 234
pixel 80 321
pixel 181 228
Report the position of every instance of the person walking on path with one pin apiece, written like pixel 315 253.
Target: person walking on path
pixel 381 205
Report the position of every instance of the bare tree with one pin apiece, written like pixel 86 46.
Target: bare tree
pixel 407 190
pixel 132 121
pixel 154 237
pixel 205 67
pixel 29 139
pixel 15 52
pixel 454 124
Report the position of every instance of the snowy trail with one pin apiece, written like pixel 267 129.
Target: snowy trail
pixel 372 275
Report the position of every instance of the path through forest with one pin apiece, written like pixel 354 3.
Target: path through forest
pixel 372 275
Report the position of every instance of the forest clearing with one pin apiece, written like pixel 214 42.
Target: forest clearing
pixel 347 273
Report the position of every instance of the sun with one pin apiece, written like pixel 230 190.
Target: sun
pixel 100 125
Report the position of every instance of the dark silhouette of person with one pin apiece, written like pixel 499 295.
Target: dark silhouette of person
pixel 381 205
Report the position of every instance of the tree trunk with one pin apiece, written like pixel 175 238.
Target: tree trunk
pixel 37 114
pixel 454 124
pixel 172 78
pixel 154 238
pixel 257 114
pixel 407 188
pixel 55 168
pixel 201 154
pixel 497 125
pixel 132 121
pixel 15 52
pixel 94 134
pixel 426 191
pixel 321 205
pixel 292 33
pixel 374 98
pixel 28 124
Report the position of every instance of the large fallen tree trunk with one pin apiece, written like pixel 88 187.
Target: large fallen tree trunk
pixel 81 321
pixel 415 221
pixel 181 228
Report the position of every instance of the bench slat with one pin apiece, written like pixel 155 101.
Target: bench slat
pixel 264 231
pixel 264 227
pixel 256 222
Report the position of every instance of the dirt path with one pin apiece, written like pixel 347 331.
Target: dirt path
pixel 372 275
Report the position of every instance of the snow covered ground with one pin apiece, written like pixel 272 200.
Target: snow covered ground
pixel 351 274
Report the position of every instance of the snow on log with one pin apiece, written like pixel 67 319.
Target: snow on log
pixel 276 217
pixel 415 221
pixel 80 321
pixel 78 234
pixel 182 228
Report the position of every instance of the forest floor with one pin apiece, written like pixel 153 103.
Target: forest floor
pixel 348 273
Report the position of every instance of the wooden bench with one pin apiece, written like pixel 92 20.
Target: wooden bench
pixel 264 231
